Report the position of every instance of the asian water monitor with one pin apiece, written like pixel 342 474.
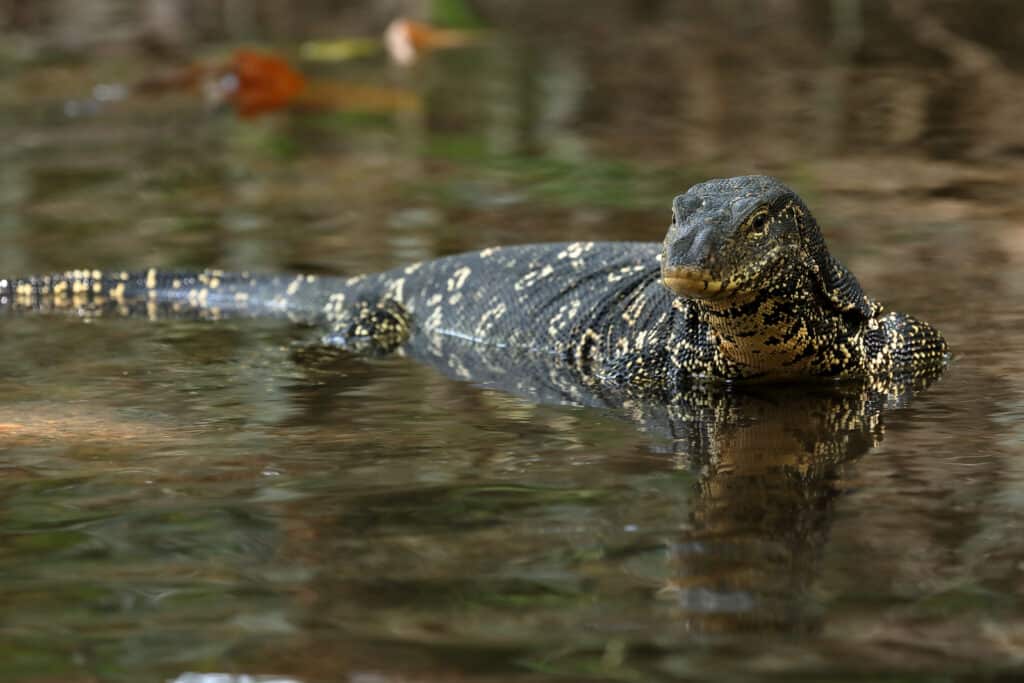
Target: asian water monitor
pixel 742 288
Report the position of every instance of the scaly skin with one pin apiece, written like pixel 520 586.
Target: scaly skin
pixel 742 288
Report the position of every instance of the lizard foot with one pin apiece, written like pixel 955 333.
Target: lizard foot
pixel 373 328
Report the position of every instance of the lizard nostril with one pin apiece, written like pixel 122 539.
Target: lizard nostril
pixel 691 245
pixel 685 205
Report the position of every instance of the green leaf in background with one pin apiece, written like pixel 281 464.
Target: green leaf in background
pixel 453 14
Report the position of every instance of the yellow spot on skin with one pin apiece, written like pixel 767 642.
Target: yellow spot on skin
pixel 490 318
pixel 176 284
pixel 458 278
pixel 215 283
pixel 334 304
pixel 434 319
pixel 294 285
pixel 97 287
pixel 151 278
pixel 532 277
pixel 311 278
pixel 575 250
pixel 396 289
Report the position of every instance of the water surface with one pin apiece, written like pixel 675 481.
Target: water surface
pixel 180 496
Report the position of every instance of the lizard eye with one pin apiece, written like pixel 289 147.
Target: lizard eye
pixel 759 221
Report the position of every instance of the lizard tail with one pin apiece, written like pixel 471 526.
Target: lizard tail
pixel 209 293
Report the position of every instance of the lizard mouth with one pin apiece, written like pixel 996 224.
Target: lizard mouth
pixel 694 283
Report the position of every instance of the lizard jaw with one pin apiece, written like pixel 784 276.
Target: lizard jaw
pixel 694 283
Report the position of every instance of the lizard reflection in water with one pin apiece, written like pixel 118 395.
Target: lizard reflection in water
pixel 766 461
pixel 771 464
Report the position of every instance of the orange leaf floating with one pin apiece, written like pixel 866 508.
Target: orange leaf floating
pixel 253 82
pixel 406 40
pixel 264 82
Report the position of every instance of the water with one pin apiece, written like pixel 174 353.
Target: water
pixel 230 499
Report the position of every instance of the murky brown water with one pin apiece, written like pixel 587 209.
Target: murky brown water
pixel 183 497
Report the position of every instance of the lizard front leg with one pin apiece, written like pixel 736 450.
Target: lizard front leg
pixel 372 327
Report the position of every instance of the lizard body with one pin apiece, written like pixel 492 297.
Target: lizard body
pixel 742 288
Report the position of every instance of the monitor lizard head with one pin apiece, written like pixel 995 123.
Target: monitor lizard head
pixel 745 236
pixel 749 256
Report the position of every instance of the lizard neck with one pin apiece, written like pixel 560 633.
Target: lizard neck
pixel 782 334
